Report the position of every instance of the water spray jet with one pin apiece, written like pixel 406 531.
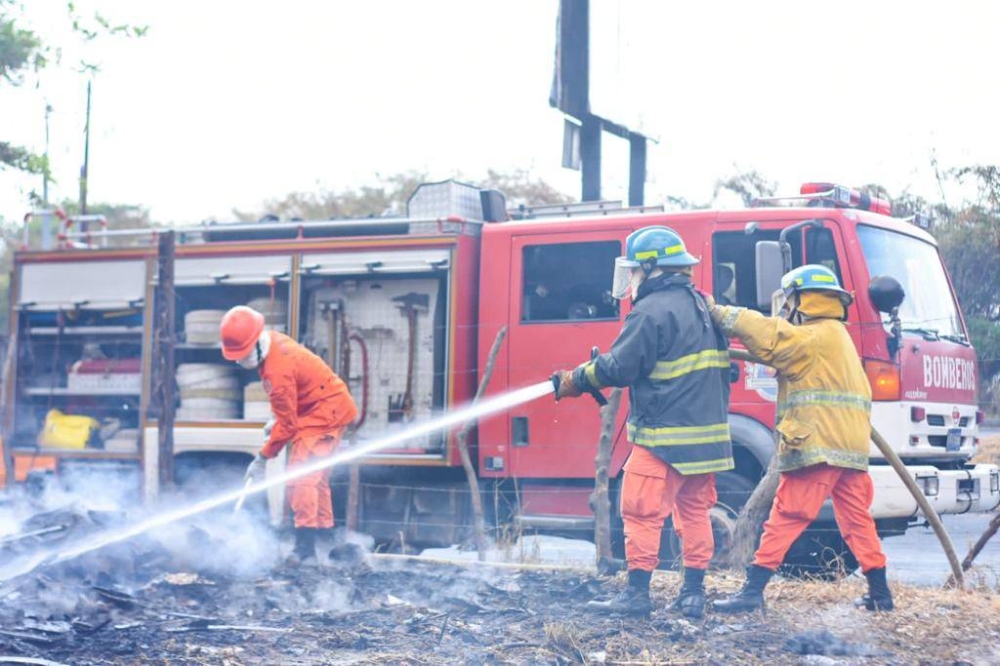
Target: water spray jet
pixel 468 413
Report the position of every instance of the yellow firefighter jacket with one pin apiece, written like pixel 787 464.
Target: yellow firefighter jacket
pixel 824 399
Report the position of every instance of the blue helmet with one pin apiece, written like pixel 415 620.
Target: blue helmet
pixel 656 246
pixel 813 277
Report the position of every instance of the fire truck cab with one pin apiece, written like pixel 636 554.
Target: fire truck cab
pixel 406 309
pixel 918 357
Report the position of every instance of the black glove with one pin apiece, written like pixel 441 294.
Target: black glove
pixel 565 386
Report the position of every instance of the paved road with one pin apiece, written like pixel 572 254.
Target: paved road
pixel 917 558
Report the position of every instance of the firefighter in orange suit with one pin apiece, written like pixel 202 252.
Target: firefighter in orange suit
pixel 675 362
pixel 824 404
pixel 311 407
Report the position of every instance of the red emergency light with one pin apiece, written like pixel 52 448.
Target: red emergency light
pixel 846 197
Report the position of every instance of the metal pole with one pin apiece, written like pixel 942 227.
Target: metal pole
pixel 590 158
pixel 637 170
pixel 45 174
pixel 86 157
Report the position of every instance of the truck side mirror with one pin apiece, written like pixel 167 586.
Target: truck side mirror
pixel 885 293
pixel 769 270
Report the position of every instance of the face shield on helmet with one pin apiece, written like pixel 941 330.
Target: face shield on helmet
pixel 783 304
pixel 622 286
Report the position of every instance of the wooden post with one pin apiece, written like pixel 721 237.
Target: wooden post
pixel 353 490
pixel 602 463
pixel 991 529
pixel 769 484
pixel 164 380
pixel 751 518
pixel 478 521
pixel 6 442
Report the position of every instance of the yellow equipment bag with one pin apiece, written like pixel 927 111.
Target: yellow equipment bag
pixel 63 431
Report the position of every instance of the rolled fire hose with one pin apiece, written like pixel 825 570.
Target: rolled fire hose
pixel 911 485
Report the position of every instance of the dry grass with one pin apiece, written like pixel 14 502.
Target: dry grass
pixel 989 450
pixel 929 625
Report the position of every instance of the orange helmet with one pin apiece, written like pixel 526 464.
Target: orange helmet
pixel 241 328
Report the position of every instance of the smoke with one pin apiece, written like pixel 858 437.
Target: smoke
pixel 68 511
pixel 88 487
pixel 221 543
pixel 156 523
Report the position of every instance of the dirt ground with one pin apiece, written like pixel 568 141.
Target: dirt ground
pixel 134 604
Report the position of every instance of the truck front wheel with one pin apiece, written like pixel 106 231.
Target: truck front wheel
pixel 734 491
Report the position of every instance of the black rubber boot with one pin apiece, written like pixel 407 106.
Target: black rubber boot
pixel 751 597
pixel 633 600
pixel 690 600
pixel 304 550
pixel 879 598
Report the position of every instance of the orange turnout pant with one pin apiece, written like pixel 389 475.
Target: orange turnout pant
pixel 309 496
pixel 800 497
pixel 652 491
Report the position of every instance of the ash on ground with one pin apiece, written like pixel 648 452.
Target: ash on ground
pixel 216 591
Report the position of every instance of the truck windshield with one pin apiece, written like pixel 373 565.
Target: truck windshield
pixel 929 306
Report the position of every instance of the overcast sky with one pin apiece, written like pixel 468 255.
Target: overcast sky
pixel 225 104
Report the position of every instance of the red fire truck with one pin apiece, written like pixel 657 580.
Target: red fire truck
pixel 407 308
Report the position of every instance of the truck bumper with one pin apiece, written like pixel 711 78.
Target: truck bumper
pixel 974 489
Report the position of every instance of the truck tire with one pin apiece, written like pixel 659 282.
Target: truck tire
pixel 820 553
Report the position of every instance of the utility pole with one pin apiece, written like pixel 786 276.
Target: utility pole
pixel 86 157
pixel 45 174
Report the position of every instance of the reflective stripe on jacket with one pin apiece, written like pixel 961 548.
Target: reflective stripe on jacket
pixel 824 399
pixel 676 364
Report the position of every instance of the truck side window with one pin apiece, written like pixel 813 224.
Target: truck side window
pixel 569 281
pixel 820 249
pixel 734 273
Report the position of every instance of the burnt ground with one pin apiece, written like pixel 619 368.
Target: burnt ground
pixel 195 598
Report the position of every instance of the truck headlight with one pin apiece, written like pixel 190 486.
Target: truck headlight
pixel 929 484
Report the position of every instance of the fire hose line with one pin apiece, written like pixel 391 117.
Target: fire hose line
pixel 471 412
pixel 893 459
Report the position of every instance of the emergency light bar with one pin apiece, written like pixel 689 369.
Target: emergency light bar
pixel 846 197
pixel 838 196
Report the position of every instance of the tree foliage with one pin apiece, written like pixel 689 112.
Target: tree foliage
pixel 19 48
pixel 389 196
pixel 23 50
pixel 749 185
